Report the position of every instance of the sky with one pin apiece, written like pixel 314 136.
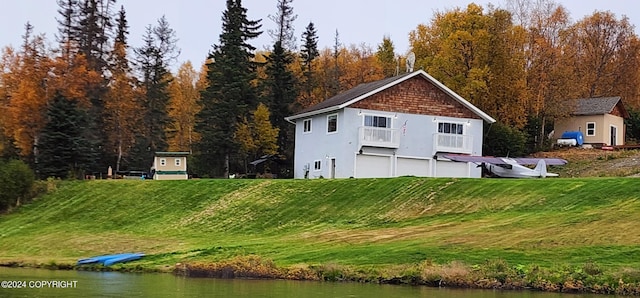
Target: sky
pixel 198 22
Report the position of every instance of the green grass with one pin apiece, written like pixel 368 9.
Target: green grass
pixel 364 223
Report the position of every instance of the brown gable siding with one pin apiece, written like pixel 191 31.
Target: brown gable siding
pixel 618 110
pixel 415 96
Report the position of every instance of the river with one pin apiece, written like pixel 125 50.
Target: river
pixel 58 283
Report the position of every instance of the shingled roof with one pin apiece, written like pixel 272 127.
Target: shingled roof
pixel 352 93
pixel 365 90
pixel 597 106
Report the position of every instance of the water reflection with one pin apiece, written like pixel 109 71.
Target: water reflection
pixel 114 284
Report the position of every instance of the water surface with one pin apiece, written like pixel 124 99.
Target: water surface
pixel 39 283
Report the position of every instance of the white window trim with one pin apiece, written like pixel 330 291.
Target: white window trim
pixel 587 129
pixel 616 135
pixel 310 126
pixel 391 117
pixel 163 162
pixel 464 129
pixel 319 162
pixel 177 162
pixel 332 132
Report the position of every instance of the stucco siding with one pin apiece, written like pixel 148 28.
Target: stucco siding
pixel 603 124
pixel 170 164
pixel 171 177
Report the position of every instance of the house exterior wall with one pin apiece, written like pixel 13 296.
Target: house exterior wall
pixel 602 131
pixel 318 145
pixel 170 171
pixel 171 177
pixel 415 107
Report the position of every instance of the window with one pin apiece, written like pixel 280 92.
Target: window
pixel 332 123
pixel 591 129
pixel 317 165
pixel 177 162
pixel 450 135
pixel 377 121
pixel 306 125
pixel 451 128
pixel 163 162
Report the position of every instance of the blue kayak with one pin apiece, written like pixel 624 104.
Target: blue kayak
pixel 122 259
pixel 108 260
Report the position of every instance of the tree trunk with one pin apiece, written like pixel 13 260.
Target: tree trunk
pixel 119 156
pixel 226 165
pixel 543 135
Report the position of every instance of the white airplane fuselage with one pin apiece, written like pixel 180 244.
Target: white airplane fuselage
pixel 511 169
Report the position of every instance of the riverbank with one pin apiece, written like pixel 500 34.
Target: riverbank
pixel 550 234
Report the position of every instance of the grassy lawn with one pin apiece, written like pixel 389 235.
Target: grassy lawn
pixel 362 223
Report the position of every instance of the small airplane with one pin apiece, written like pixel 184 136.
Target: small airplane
pixel 507 167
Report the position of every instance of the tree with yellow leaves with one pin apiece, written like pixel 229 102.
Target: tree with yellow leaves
pixel 184 104
pixel 258 137
pixel 606 58
pixel 26 76
pixel 454 49
pixel 122 107
pixel 479 56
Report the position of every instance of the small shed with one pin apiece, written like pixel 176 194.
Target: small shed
pixel 601 120
pixel 170 166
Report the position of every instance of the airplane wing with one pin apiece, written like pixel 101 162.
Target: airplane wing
pixel 501 161
pixel 469 158
pixel 548 161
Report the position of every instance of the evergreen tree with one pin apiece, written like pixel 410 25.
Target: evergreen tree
pixel 230 93
pixel 284 19
pixel 387 57
pixel 64 151
pixel 153 60
pixel 85 28
pixel 336 72
pixel 91 32
pixel 122 28
pixel 68 15
pixel 280 81
pixel 281 94
pixel 308 54
pixel 122 108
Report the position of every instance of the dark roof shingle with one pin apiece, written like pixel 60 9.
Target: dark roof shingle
pixel 351 94
pixel 595 106
pixel 364 90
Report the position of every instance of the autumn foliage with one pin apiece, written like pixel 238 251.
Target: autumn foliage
pixel 520 64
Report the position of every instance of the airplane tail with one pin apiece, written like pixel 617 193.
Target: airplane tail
pixel 541 168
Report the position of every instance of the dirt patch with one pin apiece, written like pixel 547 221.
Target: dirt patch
pixel 596 162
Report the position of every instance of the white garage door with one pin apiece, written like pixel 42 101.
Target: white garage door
pixel 413 167
pixel 373 166
pixel 451 169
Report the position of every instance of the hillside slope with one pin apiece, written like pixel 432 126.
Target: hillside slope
pixel 356 222
pixel 595 162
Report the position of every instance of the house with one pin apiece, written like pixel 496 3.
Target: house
pixel 397 126
pixel 170 166
pixel 601 120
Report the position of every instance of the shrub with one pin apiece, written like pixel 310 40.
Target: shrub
pixel 503 140
pixel 16 181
